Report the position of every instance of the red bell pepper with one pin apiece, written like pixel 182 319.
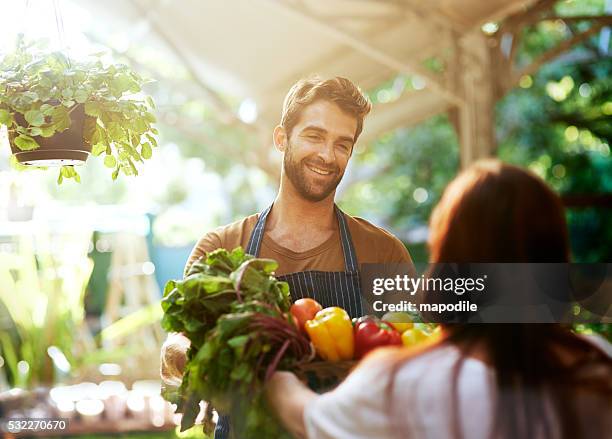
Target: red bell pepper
pixel 371 333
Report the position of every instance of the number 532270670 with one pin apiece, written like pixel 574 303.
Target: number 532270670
pixel 31 424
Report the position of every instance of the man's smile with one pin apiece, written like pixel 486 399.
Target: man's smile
pixel 318 170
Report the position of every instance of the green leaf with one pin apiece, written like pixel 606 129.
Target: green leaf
pixel 61 118
pixel 67 93
pixel 150 101
pixel 152 140
pixel 34 117
pixel 47 131
pixel 26 143
pixel 90 127
pixel 132 152
pixel 191 410
pixel 30 96
pixel 81 96
pixel 238 341
pixel 132 167
pixel 99 136
pixel 140 126
pixel 145 150
pixel 115 173
pixel 46 109
pixel 150 117
pixel 93 109
pixel 35 131
pixel 98 149
pixel 110 161
pixel 70 172
pixel 120 84
pixel 5 117
pixel 115 131
pixel 240 372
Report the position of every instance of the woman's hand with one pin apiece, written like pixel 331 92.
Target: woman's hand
pixel 287 397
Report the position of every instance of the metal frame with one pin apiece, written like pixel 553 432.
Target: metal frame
pixel 507 74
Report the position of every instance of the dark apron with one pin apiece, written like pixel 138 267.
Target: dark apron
pixel 329 288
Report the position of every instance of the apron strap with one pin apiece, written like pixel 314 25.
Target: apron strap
pixel 257 233
pixel 350 257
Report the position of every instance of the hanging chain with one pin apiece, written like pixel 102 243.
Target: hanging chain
pixel 21 33
pixel 59 24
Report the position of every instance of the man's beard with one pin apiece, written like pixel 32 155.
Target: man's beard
pixel 297 174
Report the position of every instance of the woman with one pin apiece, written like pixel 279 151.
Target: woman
pixel 479 381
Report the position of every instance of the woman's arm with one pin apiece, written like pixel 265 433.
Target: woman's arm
pixel 288 397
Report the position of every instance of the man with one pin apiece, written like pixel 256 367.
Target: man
pixel 318 247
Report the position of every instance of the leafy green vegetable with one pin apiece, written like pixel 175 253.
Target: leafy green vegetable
pixel 236 315
pixel 46 87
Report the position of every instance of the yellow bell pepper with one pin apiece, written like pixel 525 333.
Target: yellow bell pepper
pixel 413 336
pixel 331 333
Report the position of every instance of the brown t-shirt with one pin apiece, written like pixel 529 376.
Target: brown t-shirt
pixel 372 245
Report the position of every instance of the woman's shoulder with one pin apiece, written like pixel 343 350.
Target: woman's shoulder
pixel 432 367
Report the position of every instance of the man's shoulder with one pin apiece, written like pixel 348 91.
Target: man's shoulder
pixel 229 237
pixel 374 244
pixel 236 231
pixel 364 229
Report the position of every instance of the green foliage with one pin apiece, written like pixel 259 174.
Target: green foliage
pixel 424 157
pixel 41 294
pixel 558 124
pixel 46 87
pixel 236 315
pixel 559 127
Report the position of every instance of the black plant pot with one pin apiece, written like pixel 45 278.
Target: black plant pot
pixel 65 148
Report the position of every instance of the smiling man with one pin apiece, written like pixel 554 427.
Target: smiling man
pixel 318 247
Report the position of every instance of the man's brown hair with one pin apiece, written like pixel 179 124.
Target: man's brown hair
pixel 338 90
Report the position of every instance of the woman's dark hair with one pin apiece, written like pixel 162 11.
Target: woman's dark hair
pixel 495 212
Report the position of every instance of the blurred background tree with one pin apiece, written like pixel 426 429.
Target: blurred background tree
pixel 558 123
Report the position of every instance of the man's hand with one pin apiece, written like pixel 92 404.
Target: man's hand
pixel 173 358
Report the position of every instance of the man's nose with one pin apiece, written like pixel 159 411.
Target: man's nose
pixel 327 152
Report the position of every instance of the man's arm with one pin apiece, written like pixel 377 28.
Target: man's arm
pixel 174 349
pixel 207 243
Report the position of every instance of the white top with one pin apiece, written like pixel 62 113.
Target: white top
pixel 357 408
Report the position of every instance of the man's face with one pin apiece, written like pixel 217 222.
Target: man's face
pixel 318 149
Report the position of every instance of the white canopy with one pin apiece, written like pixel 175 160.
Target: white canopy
pixel 257 48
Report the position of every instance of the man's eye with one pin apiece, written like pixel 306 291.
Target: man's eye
pixel 314 137
pixel 344 147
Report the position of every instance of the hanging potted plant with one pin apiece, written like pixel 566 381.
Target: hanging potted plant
pixel 59 111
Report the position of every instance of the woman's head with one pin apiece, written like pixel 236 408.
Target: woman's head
pixel 495 212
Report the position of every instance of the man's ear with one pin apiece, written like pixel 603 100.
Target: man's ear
pixel 280 138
